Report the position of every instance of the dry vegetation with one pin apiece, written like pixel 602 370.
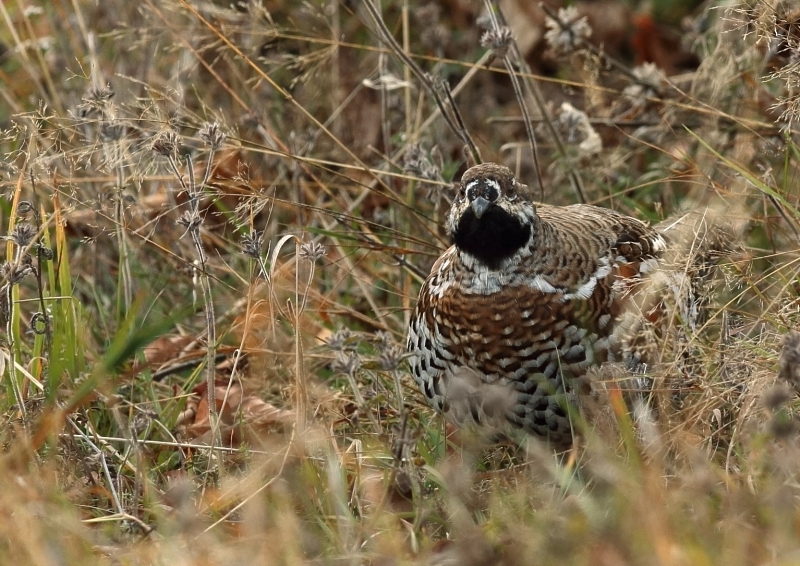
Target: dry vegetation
pixel 232 204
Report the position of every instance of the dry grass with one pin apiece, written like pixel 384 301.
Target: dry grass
pixel 219 215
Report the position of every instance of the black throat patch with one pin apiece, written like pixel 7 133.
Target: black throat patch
pixel 495 236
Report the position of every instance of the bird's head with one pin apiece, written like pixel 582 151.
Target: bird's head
pixel 493 216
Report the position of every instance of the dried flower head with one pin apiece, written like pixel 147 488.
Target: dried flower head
pixel 435 37
pixel 384 340
pixel 252 243
pixel 14 273
pixel 22 234
pixel 391 358
pixel 95 101
pixel 563 34
pixel 386 81
pixel 577 128
pixel 45 252
pixel 312 251
pixel 346 362
pixel 166 143
pixel 99 95
pixel 417 163
pixel 342 339
pixel 650 73
pixel 650 80
pixel 212 135
pixel 498 40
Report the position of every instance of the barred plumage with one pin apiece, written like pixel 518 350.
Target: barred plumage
pixel 522 304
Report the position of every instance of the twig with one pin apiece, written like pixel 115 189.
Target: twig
pixel 166 144
pixel 192 221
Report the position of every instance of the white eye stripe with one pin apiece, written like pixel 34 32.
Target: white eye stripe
pixel 478 182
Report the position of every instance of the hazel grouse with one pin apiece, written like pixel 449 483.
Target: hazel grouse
pixel 522 304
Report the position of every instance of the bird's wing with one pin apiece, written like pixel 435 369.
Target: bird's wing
pixel 595 254
pixel 599 234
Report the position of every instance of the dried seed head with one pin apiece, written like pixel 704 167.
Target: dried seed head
pixel 384 340
pixel 251 244
pixel 346 362
pixel 212 135
pixel 342 339
pixel 651 79
pixel 312 251
pixel 45 252
pixel 166 143
pixel 15 273
pixel 498 40
pixel 563 35
pixel 434 34
pixel 578 130
pixel 95 99
pixel 391 358
pixel 784 424
pixel 99 95
pixel 435 37
pixel 22 234
pixel 649 72
pixel 417 163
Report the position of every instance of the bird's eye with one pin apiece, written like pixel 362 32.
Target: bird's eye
pixel 511 193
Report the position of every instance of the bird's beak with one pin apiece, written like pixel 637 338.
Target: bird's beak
pixel 479 206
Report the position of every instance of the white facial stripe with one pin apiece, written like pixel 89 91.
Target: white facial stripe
pixel 472 184
pixel 477 182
